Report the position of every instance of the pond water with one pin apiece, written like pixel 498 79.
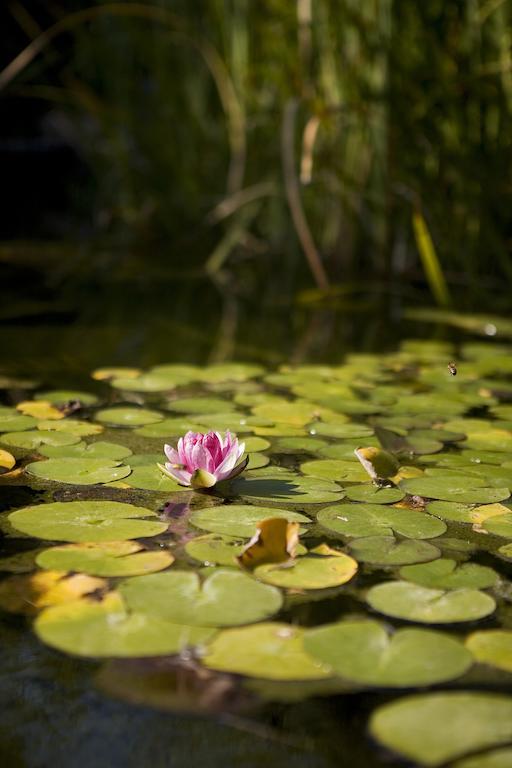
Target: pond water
pixel 131 633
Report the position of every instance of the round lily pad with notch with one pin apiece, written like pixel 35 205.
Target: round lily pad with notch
pixel 296 414
pixel 365 652
pixel 64 396
pixel 492 647
pixel 335 469
pixel 216 549
pixel 103 628
pixel 434 728
pixel 344 450
pixel 79 471
pixel 286 487
pixel 257 460
pixel 239 519
pixel 386 550
pixel 457 512
pixel 448 574
pixel 256 444
pixel 405 600
pixel 377 520
pixel 111 558
pixel 71 427
pixel 33 439
pixel 149 477
pixel 374 494
pixel 86 521
pixel 169 428
pixel 320 568
pixel 128 416
pixel 225 598
pixel 470 491
pixel 98 450
pixel 12 420
pixel 341 431
pixel 298 445
pixel 269 650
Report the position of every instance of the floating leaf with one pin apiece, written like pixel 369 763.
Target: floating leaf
pixel 497 758
pixel 405 600
pixel 34 438
pixel 150 478
pixel 29 594
pixel 215 549
pixel 286 487
pixel 256 460
pixel 500 525
pixel 98 450
pixel 200 405
pixel 493 647
pixel 7 460
pixel 39 409
pixel 298 445
pixel 11 421
pixel 377 520
pixel 256 444
pixel 239 519
pixel 341 431
pixel 465 513
pixel 270 650
pixel 275 541
pixel 65 396
pixel 335 469
pixel 112 558
pixel 364 651
pixel 79 471
pixel 104 374
pixel 432 729
pixel 103 628
pixel 128 416
pixel 374 494
pixel 226 598
pixel 320 568
pixel 472 491
pixel 377 462
pixel 84 521
pixel 168 429
pixel 386 550
pixel 448 574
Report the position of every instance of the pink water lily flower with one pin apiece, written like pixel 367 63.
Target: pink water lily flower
pixel 201 461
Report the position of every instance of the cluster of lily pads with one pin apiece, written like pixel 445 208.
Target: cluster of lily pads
pixel 114 559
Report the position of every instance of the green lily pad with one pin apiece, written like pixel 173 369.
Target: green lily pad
pixel 493 647
pixel 11 420
pixel 335 469
pixel 226 598
pixel 199 405
pixel 298 445
pixel 374 494
pixel 405 600
pixel 146 459
pixel 319 568
pixel 149 477
pixel 104 629
pixel 71 427
pixel 376 520
pixel 84 521
pixel 256 444
pixel 112 558
pixel 432 729
pixel 157 381
pixel 79 471
pixel 501 525
pixel 257 460
pixel 386 550
pixel 270 650
pixel 64 396
pixel 472 491
pixel 230 372
pixel 216 549
pixel 341 431
pixel 365 652
pixel 296 414
pixel 168 429
pixel 285 487
pixel 33 439
pixel 497 758
pixel 99 450
pixel 448 574
pixel 239 519
pixel 128 416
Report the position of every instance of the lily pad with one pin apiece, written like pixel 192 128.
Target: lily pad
pixel 64 396
pixel 341 431
pixel 432 729
pixel 374 494
pixel 112 558
pixel 270 650
pixel 298 445
pixel 216 549
pixel 405 600
pixel 286 487
pixel 86 521
pixel 500 525
pixel 34 438
pixel 226 598
pixel 365 652
pixel 39 409
pixel 103 628
pixel 335 469
pixel 71 427
pixel 149 478
pixel 98 450
pixel 320 568
pixel 496 758
pixel 256 444
pixel 79 471
pixel 239 519
pixel 200 405
pixel 493 647
pixel 7 460
pixel 128 416
pixel 448 574
pixel 376 520
pixel 386 550
pixel 472 491
pixel 168 428
pixel 12 421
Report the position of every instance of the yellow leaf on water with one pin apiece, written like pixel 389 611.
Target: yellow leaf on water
pixel 39 409
pixel 275 541
pixel 28 594
pixel 104 374
pixel 7 460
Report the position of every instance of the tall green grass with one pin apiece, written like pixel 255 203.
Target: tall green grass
pixel 285 129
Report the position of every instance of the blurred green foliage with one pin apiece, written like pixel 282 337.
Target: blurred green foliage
pixel 272 126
